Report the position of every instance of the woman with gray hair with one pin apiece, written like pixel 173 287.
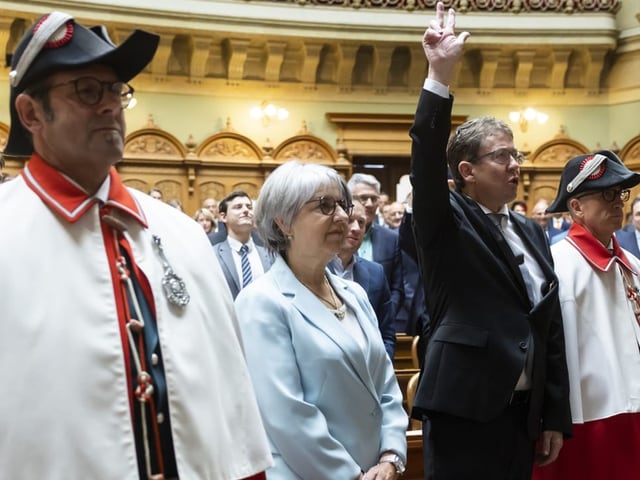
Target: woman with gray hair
pixel 326 388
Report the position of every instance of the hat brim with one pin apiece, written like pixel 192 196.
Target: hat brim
pixel 127 60
pixel 559 205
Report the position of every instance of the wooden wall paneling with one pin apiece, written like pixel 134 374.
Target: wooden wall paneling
pixel 4 135
pixel 154 158
pixel 12 166
pixel 540 174
pixel 630 155
pixel 415 458
pixel 306 147
pixel 229 161
pixel 209 189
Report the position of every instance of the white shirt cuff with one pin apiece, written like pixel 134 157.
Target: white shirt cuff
pixel 436 87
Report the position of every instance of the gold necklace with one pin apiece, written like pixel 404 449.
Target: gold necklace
pixel 338 310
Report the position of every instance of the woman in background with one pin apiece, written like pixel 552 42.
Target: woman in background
pixel 326 388
pixel 205 218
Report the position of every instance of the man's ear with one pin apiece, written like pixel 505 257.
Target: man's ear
pixel 575 208
pixel 222 217
pixel 465 169
pixel 30 113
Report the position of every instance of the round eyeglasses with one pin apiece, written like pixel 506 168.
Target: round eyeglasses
pixel 503 156
pixel 328 205
pixel 90 90
pixel 610 195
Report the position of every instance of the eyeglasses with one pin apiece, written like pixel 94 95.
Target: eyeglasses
pixel 504 155
pixel 363 199
pixel 90 90
pixel 610 195
pixel 328 205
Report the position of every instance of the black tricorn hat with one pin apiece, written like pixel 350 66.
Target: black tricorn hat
pixel 595 171
pixel 56 42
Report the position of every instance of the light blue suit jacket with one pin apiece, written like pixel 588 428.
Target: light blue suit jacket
pixel 329 407
pixel 225 256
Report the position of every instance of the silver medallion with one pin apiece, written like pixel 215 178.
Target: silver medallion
pixel 174 287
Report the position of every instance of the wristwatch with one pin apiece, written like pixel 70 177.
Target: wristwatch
pixel 395 460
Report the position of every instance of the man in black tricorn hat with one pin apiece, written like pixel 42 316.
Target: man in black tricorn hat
pixel 116 360
pixel 598 288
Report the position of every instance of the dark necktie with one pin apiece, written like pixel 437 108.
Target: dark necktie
pixel 496 218
pixel 246 266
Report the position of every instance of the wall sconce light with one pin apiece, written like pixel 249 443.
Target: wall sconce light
pixel 267 112
pixel 523 117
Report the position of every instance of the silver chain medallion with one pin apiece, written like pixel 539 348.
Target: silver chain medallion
pixel 174 287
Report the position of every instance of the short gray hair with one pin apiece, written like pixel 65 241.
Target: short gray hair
pixel 365 178
pixel 285 192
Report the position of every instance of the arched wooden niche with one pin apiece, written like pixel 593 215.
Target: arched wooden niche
pixel 630 153
pixel 540 174
pixel 11 166
pixel 229 147
pixel 306 147
pixel 153 145
pixel 229 161
pixel 154 158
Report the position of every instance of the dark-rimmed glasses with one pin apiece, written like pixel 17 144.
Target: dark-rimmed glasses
pixel 328 205
pixel 90 90
pixel 504 155
pixel 609 195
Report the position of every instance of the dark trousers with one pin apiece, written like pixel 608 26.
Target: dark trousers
pixel 460 449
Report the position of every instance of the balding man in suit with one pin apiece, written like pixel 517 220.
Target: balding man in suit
pixel 380 244
pixel 370 276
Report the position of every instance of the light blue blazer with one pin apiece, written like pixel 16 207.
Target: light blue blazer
pixel 329 408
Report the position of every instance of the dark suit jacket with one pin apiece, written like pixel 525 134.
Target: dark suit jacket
pixel 386 252
pixel 417 321
pixel 627 239
pixel 370 276
pixel 481 315
pixel 225 256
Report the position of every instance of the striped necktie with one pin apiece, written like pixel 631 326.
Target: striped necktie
pixel 246 266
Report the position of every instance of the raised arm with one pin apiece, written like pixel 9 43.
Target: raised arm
pixel 431 128
pixel 441 46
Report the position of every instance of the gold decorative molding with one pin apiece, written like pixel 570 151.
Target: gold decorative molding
pixel 493 6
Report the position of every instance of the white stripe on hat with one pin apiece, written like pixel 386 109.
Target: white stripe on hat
pixel 46 29
pixel 589 168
